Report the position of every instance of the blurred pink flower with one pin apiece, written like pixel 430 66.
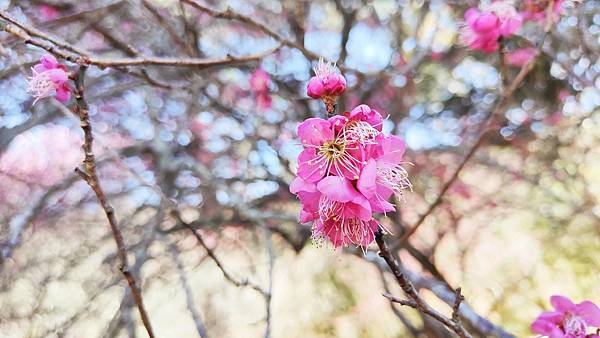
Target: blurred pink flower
pixel 327 84
pixel 259 84
pixel 569 320
pixel 45 154
pixel 49 78
pixel 48 12
pixel 436 56
pixel 520 57
pixel 536 10
pixel 482 29
pixel 259 81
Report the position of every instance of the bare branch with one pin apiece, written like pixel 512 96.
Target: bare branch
pixel 33 36
pixel 415 300
pixel 90 176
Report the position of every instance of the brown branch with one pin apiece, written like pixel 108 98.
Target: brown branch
pixel 230 14
pixel 162 21
pixel 349 18
pixel 415 300
pixel 502 64
pixel 89 175
pixel 269 293
pixel 216 260
pixel 189 299
pixel 35 37
pixel 500 106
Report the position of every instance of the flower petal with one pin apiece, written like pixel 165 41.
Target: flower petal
pixel 298 184
pixel 562 303
pixel 315 131
pixel 547 322
pixel 338 189
pixel 589 312
pixel 58 76
pixel 63 93
pixel 393 148
pixel 49 61
pixel 308 168
pixel 315 88
pixel 367 181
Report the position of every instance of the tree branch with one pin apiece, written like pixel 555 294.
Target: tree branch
pixel 89 175
pixel 415 300
pixel 35 37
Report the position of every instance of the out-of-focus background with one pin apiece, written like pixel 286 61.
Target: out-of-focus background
pixel 520 223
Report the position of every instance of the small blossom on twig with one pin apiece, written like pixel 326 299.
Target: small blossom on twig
pixel 49 78
pixel 482 29
pixel 327 84
pixel 568 320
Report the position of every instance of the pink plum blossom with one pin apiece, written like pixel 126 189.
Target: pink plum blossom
pixel 347 171
pixel 259 81
pixel 568 320
pixel 327 151
pixel 49 78
pixel 482 29
pixel 340 213
pixel 327 84
pixel 259 84
pixel 383 174
pixel 48 12
pixel 521 56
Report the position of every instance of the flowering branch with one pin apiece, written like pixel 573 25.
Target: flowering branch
pixel 89 175
pixel 500 105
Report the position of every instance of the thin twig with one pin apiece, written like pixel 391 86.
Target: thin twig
pixel 232 15
pixel 500 106
pixel 415 300
pixel 35 37
pixel 269 294
pixel 90 176
pixel 216 260
pixel 189 299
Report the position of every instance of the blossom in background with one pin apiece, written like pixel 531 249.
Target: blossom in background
pixel 568 320
pixel 483 28
pixel 536 10
pixel 49 78
pixel 327 84
pixel 48 13
pixel 347 171
pixel 520 57
pixel 259 85
pixel 259 81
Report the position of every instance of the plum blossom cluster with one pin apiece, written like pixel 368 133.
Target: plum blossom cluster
pixel 568 320
pixel 484 27
pixel 49 78
pixel 347 172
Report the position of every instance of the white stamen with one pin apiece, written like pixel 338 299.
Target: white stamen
pixel 40 85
